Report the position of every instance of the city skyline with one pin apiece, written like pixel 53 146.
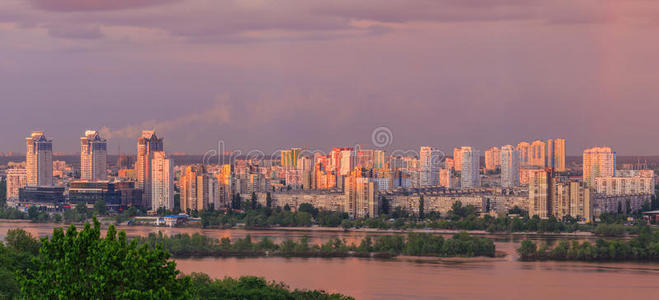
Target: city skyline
pixel 530 149
pixel 439 73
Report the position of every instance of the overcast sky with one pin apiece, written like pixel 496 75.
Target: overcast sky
pixel 271 74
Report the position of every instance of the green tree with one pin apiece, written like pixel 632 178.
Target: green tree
pixel 57 218
pixel 646 206
pixel 33 213
pixel 22 241
pixel 308 208
pixel 81 209
pixel 384 208
pixel 528 250
pixel 82 265
pixel 421 202
pixel 100 208
pixel 255 202
pixel 251 288
pixel 268 200
pixel 3 192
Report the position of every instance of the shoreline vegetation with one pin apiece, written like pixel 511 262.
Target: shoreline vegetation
pixel 414 244
pixel 251 215
pixel 644 247
pixel 72 264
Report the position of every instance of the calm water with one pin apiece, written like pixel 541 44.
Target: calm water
pixel 406 278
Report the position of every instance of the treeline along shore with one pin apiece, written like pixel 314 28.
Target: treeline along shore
pixel 413 244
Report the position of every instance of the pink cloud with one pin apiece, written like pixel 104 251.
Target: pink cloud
pixel 92 5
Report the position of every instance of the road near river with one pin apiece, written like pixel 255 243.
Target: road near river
pixel 410 278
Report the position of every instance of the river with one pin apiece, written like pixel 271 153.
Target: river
pixel 410 278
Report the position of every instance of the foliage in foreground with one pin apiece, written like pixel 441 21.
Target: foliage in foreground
pixel 83 265
pixel 251 288
pixel 644 247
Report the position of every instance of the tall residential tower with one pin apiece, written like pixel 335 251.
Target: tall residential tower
pixel 509 166
pixel 470 174
pixel 598 162
pixel 162 181
pixel 93 156
pixel 147 144
pixel 39 160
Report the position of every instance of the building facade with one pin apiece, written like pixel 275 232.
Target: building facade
pixel 470 174
pixel 538 154
pixel 540 193
pixel 93 156
pixel 492 158
pixel 598 162
pixel 16 179
pixel 39 160
pixel 429 159
pixel 556 154
pixel 199 190
pixel 162 181
pixel 147 144
pixel 509 167
pixel 361 197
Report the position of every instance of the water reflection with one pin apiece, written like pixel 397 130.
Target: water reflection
pixel 411 278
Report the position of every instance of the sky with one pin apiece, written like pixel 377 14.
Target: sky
pixel 265 75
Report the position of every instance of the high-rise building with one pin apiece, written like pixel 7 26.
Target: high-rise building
pixel 457 158
pixel 447 179
pixel 598 162
pixel 540 191
pixel 556 154
pixel 429 160
pixel 289 158
pixel 347 162
pixel 492 158
pixel 39 160
pixel 147 144
pixel 199 190
pixel 470 174
pixel 16 179
pixel 524 150
pixel 361 197
pixel 162 181
pixel 580 201
pixel 558 196
pixel 509 166
pixel 93 156
pixel 378 159
pixel 225 192
pixel 626 182
pixel 538 154
pixel 286 161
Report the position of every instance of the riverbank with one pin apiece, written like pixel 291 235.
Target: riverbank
pixel 429 230
pixel 106 222
pixel 644 247
pixel 384 246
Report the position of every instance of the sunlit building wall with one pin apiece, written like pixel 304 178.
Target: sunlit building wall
pixel 598 162
pixel 162 181
pixel 93 156
pixel 39 160
pixel 509 166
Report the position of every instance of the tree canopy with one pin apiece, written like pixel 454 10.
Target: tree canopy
pixel 84 265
